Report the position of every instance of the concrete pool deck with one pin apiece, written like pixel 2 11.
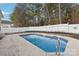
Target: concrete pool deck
pixel 14 45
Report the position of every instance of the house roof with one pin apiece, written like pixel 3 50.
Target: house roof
pixel 1 14
pixel 6 22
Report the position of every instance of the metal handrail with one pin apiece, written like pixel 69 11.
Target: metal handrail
pixel 58 47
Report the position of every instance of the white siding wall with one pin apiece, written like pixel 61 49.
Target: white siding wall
pixel 6 25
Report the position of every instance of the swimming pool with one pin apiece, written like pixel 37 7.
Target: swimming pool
pixel 46 43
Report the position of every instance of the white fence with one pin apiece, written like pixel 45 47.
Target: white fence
pixel 71 28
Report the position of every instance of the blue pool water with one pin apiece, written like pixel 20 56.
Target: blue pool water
pixel 48 44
